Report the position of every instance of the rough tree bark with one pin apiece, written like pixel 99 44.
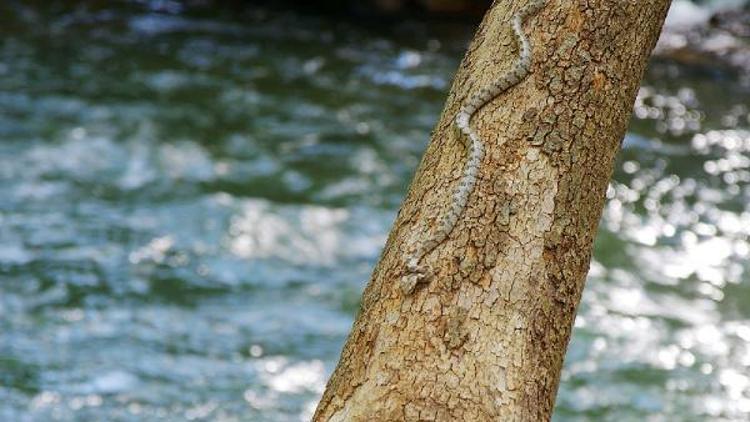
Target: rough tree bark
pixel 485 339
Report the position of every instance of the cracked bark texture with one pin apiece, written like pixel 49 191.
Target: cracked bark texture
pixel 485 339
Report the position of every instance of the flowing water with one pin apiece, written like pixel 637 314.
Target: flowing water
pixel 192 200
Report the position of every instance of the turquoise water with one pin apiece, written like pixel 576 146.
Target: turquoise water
pixel 192 200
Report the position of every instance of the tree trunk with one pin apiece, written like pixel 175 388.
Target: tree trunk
pixel 484 338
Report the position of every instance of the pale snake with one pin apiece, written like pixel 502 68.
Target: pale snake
pixel 415 272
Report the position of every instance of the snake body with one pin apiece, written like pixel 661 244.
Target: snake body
pixel 415 272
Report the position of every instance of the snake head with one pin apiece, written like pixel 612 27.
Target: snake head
pixel 409 282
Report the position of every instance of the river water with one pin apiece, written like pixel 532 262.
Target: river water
pixel 192 200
